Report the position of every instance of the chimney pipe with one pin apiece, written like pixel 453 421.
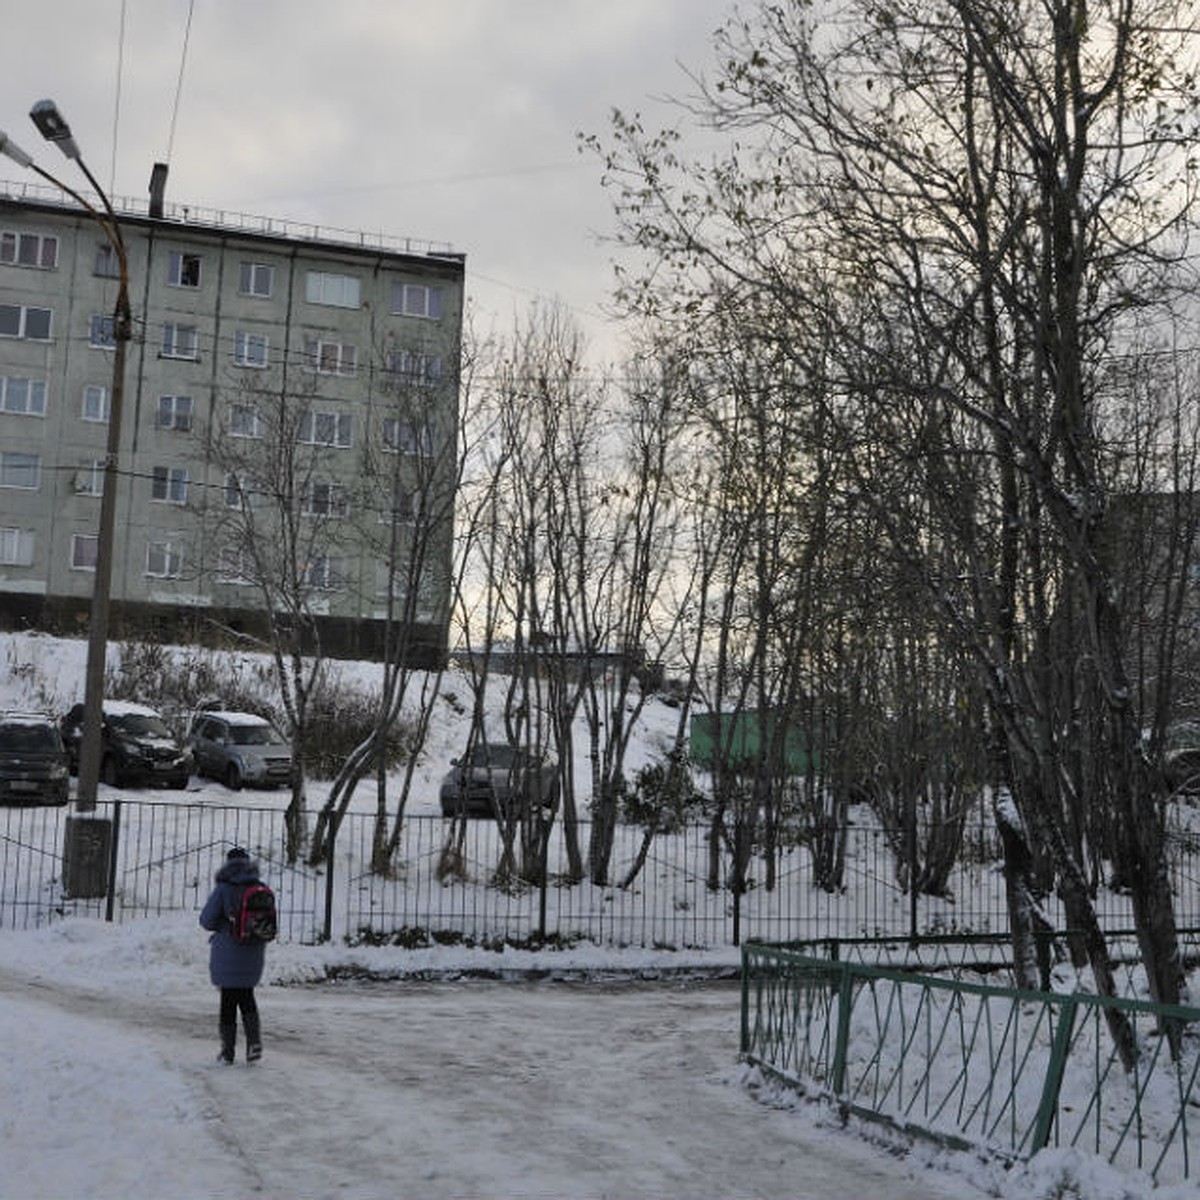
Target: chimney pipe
pixel 158 185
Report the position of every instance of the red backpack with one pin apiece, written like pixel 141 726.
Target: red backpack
pixel 254 918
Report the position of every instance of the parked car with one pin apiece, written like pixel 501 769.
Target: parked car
pixel 499 778
pixel 136 746
pixel 33 760
pixel 240 748
pixel 1181 757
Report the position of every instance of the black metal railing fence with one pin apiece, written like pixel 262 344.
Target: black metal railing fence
pixel 147 857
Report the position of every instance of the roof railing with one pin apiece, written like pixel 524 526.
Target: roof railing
pixel 238 222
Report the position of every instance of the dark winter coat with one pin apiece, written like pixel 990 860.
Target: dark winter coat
pixel 231 964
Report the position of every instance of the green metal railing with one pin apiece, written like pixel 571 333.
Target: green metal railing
pixel 971 1065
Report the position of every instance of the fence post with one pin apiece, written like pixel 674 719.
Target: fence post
pixel 545 824
pixel 330 843
pixel 112 861
pixel 911 813
pixel 841 1048
pixel 1054 1075
pixel 744 1038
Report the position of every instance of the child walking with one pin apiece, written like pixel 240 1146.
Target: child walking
pixel 234 967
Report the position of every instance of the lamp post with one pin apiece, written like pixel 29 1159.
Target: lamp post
pixel 53 128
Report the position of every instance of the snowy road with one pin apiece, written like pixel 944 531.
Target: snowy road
pixel 450 1090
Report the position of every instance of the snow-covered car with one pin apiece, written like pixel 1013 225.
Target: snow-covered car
pixel 1181 757
pixel 498 778
pixel 136 746
pixel 33 760
pixel 240 748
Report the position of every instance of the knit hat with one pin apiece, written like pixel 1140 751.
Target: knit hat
pixel 236 853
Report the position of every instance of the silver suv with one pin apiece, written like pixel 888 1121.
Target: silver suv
pixel 240 748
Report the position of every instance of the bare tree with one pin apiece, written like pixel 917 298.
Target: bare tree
pixel 972 201
pixel 410 470
pixel 277 523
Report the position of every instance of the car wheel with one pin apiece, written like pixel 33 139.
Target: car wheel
pixel 233 778
pixel 109 772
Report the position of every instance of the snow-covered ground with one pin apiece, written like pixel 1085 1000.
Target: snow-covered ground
pixel 458 1088
pixel 540 1086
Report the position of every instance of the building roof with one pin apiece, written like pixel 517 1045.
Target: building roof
pixel 200 219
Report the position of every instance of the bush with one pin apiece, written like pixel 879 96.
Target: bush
pixel 180 681
pixel 341 717
pixel 660 798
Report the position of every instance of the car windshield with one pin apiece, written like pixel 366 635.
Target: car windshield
pixel 29 739
pixel 1183 737
pixel 255 735
pixel 500 757
pixel 140 724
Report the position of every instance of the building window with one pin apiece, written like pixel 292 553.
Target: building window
pixel 183 270
pixel 175 412
pixel 108 262
pixel 89 479
pixel 169 484
pixel 412 367
pixel 326 573
pixel 340 291
pixel 250 349
pixel 102 332
pixel 179 341
pixel 245 421
pixel 19 321
pixel 326 429
pixel 242 492
pixel 258 279
pixel 84 551
pixel 95 403
pixel 16 547
pixel 24 396
pixel 330 358
pixel 404 437
pixel 325 500
pixel 417 300
pixel 393 583
pixel 164 560
pixel 235 565
pixel 404 507
pixel 29 250
pixel 18 470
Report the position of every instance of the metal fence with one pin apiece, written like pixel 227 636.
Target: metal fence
pixel 142 857
pixel 974 1065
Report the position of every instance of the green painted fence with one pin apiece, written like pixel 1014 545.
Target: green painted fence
pixel 970 1065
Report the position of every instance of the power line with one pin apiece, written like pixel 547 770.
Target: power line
pixel 187 33
pixel 112 169
pixel 511 172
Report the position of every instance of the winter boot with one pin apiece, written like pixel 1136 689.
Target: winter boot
pixel 253 1036
pixel 228 1042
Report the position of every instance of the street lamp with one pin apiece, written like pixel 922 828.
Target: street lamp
pixel 53 128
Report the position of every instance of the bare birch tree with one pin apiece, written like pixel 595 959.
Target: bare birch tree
pixel 277 523
pixel 973 200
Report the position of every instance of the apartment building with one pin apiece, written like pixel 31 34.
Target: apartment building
pixel 288 433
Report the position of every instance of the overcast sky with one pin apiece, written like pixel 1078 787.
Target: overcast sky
pixel 453 121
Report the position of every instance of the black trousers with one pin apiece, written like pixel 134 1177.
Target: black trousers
pixel 235 1000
